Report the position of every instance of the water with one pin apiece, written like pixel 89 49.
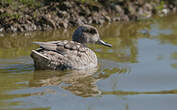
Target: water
pixel 138 73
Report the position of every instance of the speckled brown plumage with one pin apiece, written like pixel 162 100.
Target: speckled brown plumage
pixel 66 55
pixel 60 55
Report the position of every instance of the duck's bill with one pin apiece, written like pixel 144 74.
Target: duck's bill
pixel 103 43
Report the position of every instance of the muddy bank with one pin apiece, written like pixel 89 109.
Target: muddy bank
pixel 54 14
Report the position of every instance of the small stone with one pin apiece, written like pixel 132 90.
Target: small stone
pixel 1 29
pixel 165 11
pixel 125 18
pixel 64 24
pixel 147 7
pixel 49 21
pixel 107 18
pixel 118 8
pixel 1 11
pixel 1 35
pixel 13 29
pixel 20 29
pixel 116 19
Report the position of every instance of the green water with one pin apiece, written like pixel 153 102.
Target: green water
pixel 138 73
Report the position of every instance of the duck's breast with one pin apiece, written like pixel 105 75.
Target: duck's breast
pixel 67 54
pixel 83 58
pixel 78 56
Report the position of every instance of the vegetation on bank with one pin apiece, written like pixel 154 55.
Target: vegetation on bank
pixel 41 2
pixel 30 15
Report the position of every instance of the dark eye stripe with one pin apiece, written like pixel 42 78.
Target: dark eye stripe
pixel 93 31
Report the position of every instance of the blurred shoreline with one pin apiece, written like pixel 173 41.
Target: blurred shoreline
pixel 44 15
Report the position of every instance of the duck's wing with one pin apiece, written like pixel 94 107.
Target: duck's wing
pixel 64 54
pixel 57 46
pixel 61 45
pixel 46 45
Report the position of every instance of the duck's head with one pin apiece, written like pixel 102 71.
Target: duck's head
pixel 88 34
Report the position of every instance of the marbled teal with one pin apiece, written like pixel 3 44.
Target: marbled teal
pixel 61 55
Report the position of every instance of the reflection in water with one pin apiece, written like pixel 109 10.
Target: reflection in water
pixel 174 57
pixel 21 44
pixel 139 93
pixel 79 82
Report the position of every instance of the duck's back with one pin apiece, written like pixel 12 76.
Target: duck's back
pixel 63 55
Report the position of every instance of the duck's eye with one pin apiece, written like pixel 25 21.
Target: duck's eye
pixel 93 31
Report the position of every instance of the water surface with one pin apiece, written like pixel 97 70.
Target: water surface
pixel 138 73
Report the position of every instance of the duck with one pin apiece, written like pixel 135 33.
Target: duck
pixel 74 54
